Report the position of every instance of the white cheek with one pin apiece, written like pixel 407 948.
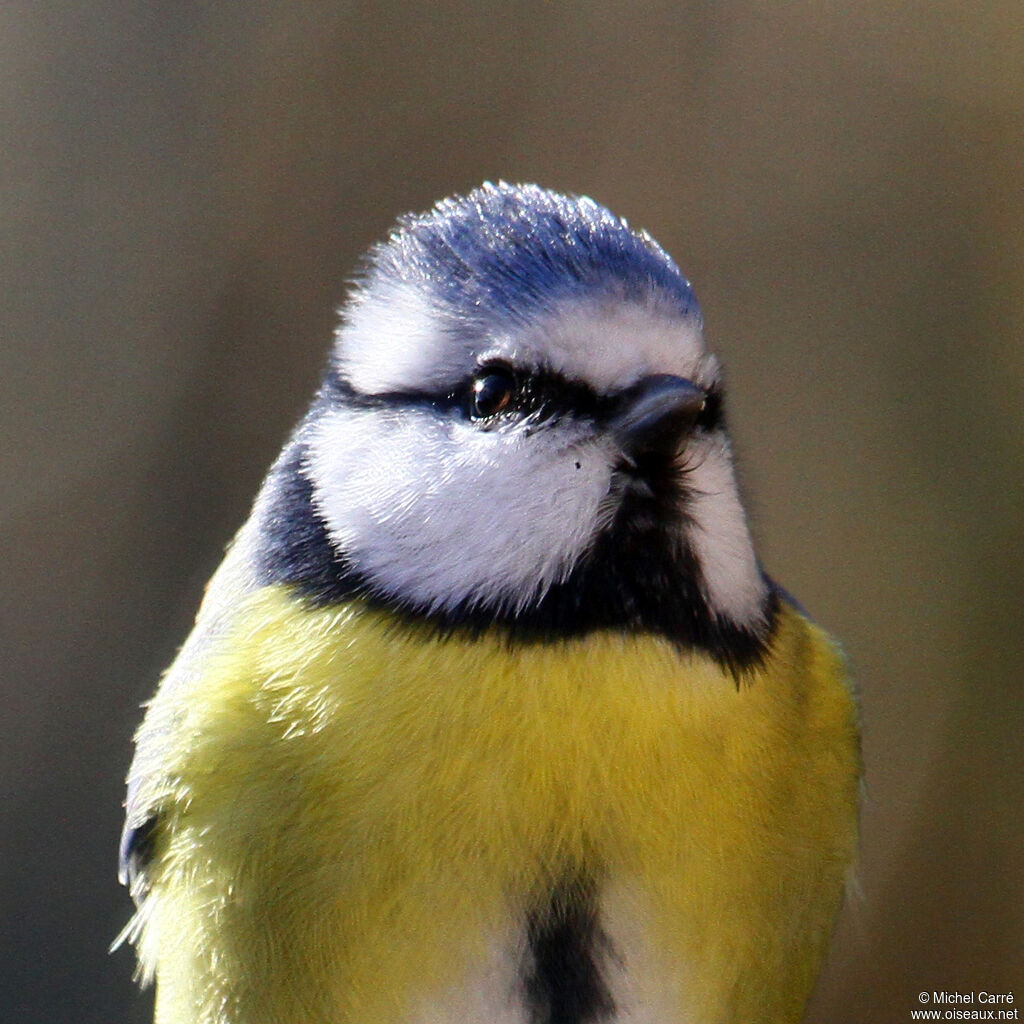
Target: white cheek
pixel 439 512
pixel 719 535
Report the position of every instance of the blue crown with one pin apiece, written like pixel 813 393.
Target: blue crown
pixel 509 252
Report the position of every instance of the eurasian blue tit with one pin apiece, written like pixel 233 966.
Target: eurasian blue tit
pixel 491 714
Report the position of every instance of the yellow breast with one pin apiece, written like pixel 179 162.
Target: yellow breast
pixel 357 808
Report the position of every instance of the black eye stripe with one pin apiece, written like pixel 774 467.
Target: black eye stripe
pixel 541 394
pixel 336 390
pixel 537 393
pixel 546 394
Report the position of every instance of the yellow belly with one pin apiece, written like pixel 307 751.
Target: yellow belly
pixel 354 810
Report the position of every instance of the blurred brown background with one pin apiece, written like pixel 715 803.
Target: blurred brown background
pixel 186 188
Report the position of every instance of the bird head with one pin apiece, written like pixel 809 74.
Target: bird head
pixel 520 427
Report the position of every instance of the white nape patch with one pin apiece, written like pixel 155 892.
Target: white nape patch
pixel 438 511
pixel 719 534
pixel 644 987
pixel 489 992
pixel 394 338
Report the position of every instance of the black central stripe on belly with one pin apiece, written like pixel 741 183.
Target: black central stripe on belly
pixel 566 949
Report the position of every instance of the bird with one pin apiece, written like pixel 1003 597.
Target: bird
pixel 491 714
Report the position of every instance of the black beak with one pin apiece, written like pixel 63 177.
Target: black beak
pixel 656 413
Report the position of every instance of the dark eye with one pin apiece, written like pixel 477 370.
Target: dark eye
pixel 493 390
pixel 710 416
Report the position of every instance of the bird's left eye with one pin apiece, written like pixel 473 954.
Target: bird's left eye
pixel 493 390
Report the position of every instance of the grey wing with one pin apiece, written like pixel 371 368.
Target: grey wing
pixel 138 842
